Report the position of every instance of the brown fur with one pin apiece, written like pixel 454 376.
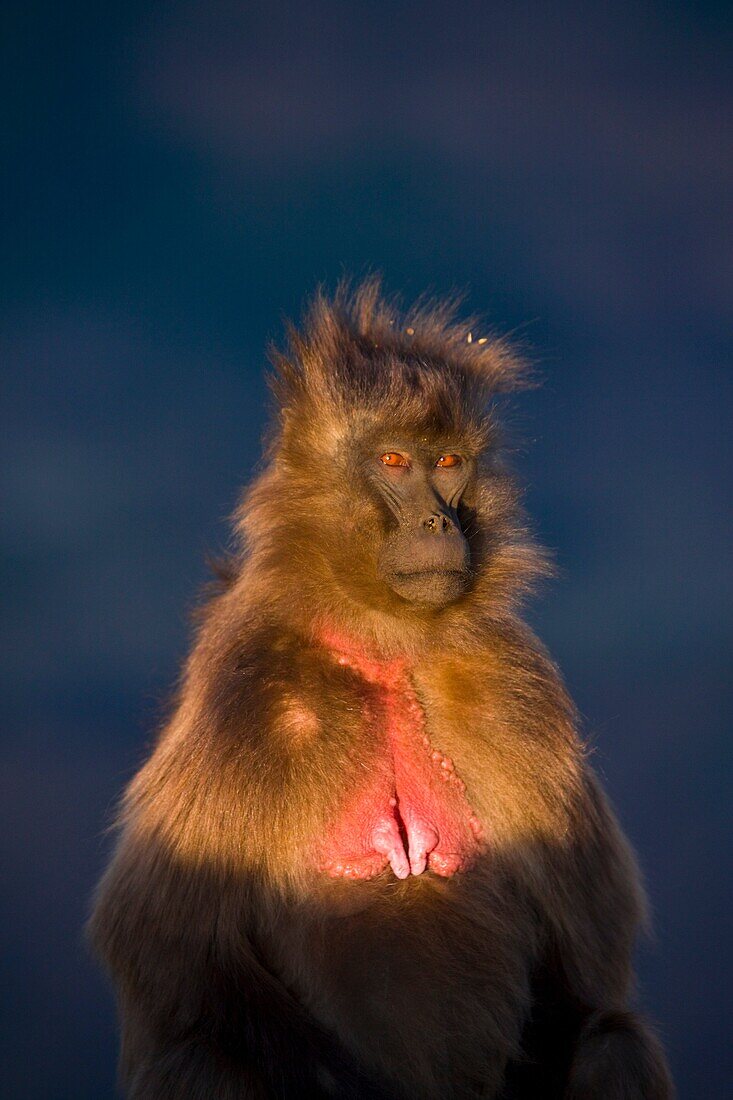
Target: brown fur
pixel 242 972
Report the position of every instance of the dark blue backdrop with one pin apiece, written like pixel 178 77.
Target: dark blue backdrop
pixel 179 175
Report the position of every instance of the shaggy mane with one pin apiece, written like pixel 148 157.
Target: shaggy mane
pixel 359 348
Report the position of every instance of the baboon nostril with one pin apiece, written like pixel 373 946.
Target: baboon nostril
pixel 437 523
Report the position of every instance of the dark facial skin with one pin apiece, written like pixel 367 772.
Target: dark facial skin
pixel 425 556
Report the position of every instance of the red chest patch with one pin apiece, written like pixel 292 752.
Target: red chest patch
pixel 410 809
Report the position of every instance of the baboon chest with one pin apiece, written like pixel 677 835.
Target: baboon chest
pixel 408 810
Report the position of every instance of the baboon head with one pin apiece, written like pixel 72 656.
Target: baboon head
pixel 385 469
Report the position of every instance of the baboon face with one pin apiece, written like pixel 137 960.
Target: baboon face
pixel 424 555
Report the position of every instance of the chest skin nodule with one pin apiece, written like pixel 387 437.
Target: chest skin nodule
pixel 409 811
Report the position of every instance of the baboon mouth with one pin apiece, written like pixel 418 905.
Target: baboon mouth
pixel 415 574
pixel 435 586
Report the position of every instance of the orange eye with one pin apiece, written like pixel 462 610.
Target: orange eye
pixel 392 458
pixel 449 460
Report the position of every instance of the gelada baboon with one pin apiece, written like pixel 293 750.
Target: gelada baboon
pixel 367 857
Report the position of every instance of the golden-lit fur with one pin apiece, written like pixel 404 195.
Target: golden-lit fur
pixel 243 972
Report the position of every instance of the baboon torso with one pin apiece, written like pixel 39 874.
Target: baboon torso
pixel 433 972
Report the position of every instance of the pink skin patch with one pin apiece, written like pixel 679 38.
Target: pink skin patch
pixel 410 811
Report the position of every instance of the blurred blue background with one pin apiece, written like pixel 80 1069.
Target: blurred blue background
pixel 179 176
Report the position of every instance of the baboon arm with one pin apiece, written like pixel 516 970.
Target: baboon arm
pixel 202 1016
pixel 616 1055
pixel 594 904
pixel 177 915
pixel 192 1068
